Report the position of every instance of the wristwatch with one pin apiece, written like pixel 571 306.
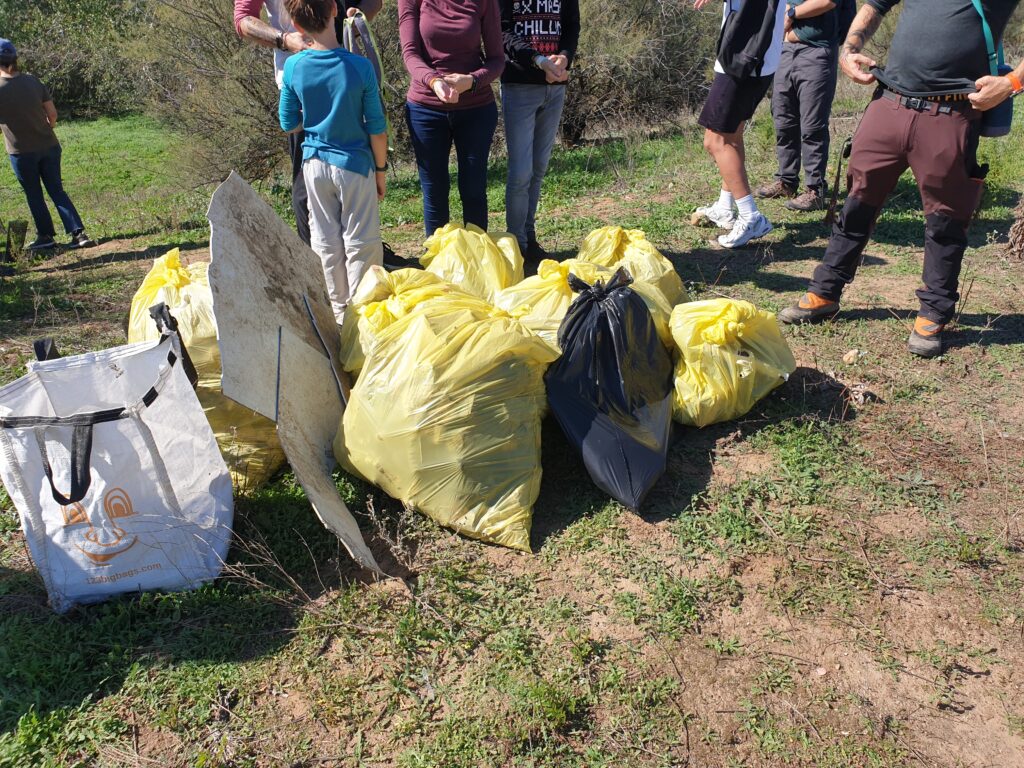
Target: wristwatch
pixel 279 41
pixel 791 12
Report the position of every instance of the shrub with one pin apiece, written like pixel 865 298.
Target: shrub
pixel 84 50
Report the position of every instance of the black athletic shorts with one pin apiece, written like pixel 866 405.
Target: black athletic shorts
pixel 731 101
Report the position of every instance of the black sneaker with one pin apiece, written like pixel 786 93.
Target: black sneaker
pixel 393 261
pixel 81 240
pixel 535 252
pixel 41 244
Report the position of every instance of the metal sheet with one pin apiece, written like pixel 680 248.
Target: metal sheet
pixel 274 326
pixel 260 273
pixel 308 385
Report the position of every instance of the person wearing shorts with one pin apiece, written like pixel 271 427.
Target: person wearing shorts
pixel 731 102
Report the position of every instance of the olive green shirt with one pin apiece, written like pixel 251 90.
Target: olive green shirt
pixel 22 118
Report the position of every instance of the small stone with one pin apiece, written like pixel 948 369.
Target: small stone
pixel 851 357
pixel 821 671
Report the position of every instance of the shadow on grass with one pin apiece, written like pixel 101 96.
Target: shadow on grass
pixel 983 330
pixel 286 559
pixel 567 494
pixel 119 257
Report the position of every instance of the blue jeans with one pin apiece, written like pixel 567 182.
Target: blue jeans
pixel 532 114
pixel 35 170
pixel 433 132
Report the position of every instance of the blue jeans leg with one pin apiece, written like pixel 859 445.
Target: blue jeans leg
pixel 26 171
pixel 474 132
pixel 431 136
pixel 49 169
pixel 532 114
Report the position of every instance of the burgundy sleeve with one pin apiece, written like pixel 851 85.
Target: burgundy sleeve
pixel 494 50
pixel 412 44
pixel 244 9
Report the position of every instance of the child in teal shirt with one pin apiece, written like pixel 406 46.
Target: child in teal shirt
pixel 333 95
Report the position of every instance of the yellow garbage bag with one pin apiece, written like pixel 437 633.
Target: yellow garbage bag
pixel 541 301
pixel 470 259
pixel 247 440
pixel 382 298
pixel 731 354
pixel 654 277
pixel 446 416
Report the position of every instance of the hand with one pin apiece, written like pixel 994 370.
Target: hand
pixel 444 91
pixel 553 72
pixel 382 184
pixel 698 4
pixel 992 91
pixel 294 42
pixel 853 65
pixel 460 83
pixel 351 12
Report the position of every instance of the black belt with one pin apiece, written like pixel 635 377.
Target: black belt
pixel 945 104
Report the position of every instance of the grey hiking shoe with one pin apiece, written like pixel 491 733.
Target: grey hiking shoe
pixel 775 188
pixel 926 338
pixel 810 200
pixel 810 309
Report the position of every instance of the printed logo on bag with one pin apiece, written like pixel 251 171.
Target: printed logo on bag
pixel 102 543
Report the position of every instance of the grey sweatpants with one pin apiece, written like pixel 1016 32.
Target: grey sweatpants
pixel 805 84
pixel 344 226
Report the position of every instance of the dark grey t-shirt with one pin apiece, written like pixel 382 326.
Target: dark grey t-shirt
pixel 939 46
pixel 821 31
pixel 22 118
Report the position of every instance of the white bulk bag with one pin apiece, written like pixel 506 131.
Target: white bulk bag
pixel 115 473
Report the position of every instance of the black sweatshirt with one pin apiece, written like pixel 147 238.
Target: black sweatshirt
pixel 531 28
pixel 939 46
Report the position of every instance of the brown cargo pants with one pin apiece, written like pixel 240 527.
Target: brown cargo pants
pixel 938 141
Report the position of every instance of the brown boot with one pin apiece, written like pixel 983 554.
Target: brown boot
pixel 811 200
pixel 776 188
pixel 811 308
pixel 926 338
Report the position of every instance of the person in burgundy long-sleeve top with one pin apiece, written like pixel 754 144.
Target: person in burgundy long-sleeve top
pixel 450 99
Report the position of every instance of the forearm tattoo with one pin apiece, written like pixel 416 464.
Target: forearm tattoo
pixel 864 26
pixel 258 30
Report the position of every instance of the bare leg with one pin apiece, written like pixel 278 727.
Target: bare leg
pixel 728 153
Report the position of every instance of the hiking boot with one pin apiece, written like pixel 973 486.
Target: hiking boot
pixel 745 230
pixel 81 240
pixel 811 308
pixel 713 215
pixel 777 188
pixel 41 244
pixel 926 338
pixel 810 200
pixel 393 261
pixel 535 252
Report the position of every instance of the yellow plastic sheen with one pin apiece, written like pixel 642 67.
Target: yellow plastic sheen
pixel 730 355
pixel 654 277
pixel 247 440
pixel 541 301
pixel 382 298
pixel 446 417
pixel 471 259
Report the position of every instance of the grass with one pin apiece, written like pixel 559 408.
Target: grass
pixel 820 582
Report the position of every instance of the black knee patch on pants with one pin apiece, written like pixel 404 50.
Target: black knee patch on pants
pixel 856 221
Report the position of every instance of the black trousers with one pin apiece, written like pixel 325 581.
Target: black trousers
pixel 300 200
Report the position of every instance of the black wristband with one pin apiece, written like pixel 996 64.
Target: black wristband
pixel 380 168
pixel 279 41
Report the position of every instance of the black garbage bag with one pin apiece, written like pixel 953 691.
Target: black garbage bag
pixel 611 390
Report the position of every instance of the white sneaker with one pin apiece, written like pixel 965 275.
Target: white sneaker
pixel 720 217
pixel 745 230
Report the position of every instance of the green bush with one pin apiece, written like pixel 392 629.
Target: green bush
pixel 84 50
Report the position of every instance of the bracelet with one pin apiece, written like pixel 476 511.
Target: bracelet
pixel 473 86
pixel 279 41
pixel 380 168
pixel 1014 83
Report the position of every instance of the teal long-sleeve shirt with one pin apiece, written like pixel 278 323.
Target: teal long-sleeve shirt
pixel 334 96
